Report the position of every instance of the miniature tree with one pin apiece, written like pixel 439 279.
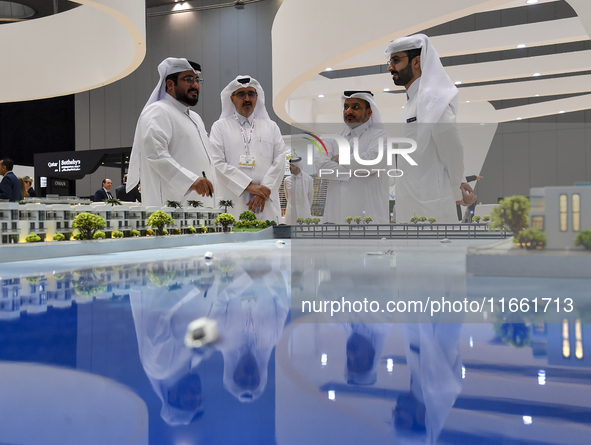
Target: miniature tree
pixel 112 201
pixel 300 221
pixel 150 232
pixel 177 231
pixel 531 239
pixel 422 218
pixel 349 219
pixel 134 233
pixel 431 220
pixel 88 224
pixel 164 232
pixel 225 203
pixel 262 224
pixel 367 219
pixel 58 237
pixel 225 219
pixel 203 229
pixel 476 219
pixel 512 213
pixel 192 229
pixel 485 218
pixel 583 238
pixel 308 221
pixel 315 220
pixel 357 219
pixel 195 204
pixel 159 220
pixel 33 238
pixel 174 204
pixel 414 220
pixel 247 216
pixel 117 234
pixel 99 235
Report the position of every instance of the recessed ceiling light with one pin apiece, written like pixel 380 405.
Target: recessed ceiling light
pixel 518 119
pixel 403 106
pixel 321 95
pixel 537 74
pixel 522 45
pixel 467 101
pixel 458 82
pixel 386 89
pixel 531 2
pixel 328 69
pixel 536 95
pixel 561 111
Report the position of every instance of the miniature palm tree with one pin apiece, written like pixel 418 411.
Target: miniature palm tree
pixel 88 224
pixel 174 204
pixel 159 220
pixel 225 203
pixel 367 219
pixel 112 201
pixel 195 204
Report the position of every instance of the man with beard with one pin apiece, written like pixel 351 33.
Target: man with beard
pixel 351 194
pixel 248 151
pixel 436 184
pixel 170 151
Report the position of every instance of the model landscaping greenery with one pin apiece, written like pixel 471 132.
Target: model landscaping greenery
pixel 349 219
pixel 367 219
pixel 88 224
pixel 99 235
pixel 513 214
pixel 414 219
pixel 33 238
pixel 159 220
pixel 247 216
pixel 225 220
pixel 532 239
pixel 357 219
pixel 174 204
pixel 117 234
pixel 225 203
pixel 134 233
pixel 431 220
pixel 58 237
pixel 584 239
pixel 476 219
pixel 192 229
pixel 195 204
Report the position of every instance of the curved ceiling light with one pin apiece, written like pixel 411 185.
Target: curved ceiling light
pixel 84 48
pixel 14 12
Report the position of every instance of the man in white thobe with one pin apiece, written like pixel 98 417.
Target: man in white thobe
pixel 170 147
pixel 348 194
pixel 248 151
pixel 299 192
pixel 434 186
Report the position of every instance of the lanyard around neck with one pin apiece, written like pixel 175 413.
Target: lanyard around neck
pixel 246 142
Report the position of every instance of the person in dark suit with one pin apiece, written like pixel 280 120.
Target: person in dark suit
pixel 10 187
pixel 132 196
pixel 104 192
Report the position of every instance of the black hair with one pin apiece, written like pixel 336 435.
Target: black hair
pixel 175 76
pixel 8 163
pixel 105 180
pixel 412 53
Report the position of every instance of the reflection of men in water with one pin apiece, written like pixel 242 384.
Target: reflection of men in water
pixel 161 313
pixel 251 313
pixel 433 358
pixel 364 349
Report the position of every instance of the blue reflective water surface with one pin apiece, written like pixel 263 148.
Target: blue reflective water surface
pixel 92 350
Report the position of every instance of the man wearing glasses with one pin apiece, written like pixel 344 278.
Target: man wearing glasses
pixel 170 151
pixel 434 186
pixel 248 151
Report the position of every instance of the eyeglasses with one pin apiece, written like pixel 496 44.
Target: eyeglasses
pixel 395 60
pixel 191 80
pixel 241 95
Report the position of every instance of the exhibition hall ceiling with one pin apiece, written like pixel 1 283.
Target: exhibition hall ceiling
pixel 511 60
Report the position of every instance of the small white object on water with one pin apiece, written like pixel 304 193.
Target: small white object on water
pixel 208 255
pixel 280 242
pixel 384 239
pixel 201 332
pixel 446 240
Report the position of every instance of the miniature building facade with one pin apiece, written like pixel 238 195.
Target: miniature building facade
pixel 560 212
